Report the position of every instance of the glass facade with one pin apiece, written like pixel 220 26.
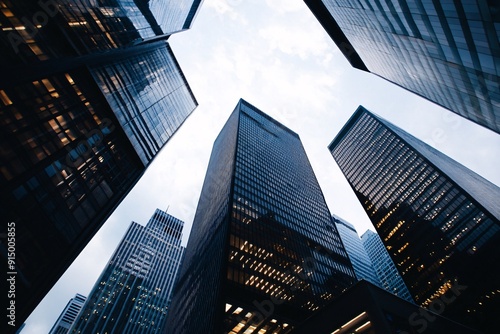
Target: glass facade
pixel 439 220
pixel 361 263
pixel 385 268
pixel 264 252
pixel 33 31
pixel 134 291
pixel 149 95
pixel 89 94
pixel 74 143
pixel 445 51
pixel 68 315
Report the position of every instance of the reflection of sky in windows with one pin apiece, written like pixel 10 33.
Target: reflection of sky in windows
pixel 447 51
pixel 150 97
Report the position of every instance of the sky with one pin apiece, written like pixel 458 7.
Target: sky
pixel 275 55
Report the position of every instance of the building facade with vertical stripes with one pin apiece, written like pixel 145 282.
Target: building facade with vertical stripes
pixel 445 51
pixel 90 93
pixel 386 270
pixel 134 291
pixel 361 263
pixel 68 315
pixel 439 221
pixel 264 252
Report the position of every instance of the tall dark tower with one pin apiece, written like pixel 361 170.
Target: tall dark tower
pixel 90 92
pixel 264 252
pixel 445 51
pixel 439 220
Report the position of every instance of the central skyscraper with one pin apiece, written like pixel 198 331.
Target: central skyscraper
pixel 264 252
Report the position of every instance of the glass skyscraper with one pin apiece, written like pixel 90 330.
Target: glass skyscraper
pixel 89 94
pixel 385 268
pixel 361 263
pixel 134 291
pixel 68 315
pixel 264 252
pixel 439 220
pixel 36 31
pixel 445 51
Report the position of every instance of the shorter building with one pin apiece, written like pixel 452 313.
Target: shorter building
pixel 361 263
pixel 367 309
pixel 134 291
pixel 384 266
pixel 68 315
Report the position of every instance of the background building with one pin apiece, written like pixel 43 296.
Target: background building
pixel 68 315
pixel 445 51
pixel 134 291
pixel 439 220
pixel 385 268
pixel 264 252
pixel 89 94
pixel 361 263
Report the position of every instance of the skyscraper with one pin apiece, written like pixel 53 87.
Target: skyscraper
pixel 37 31
pixel 445 51
pixel 68 315
pixel 264 252
pixel 439 220
pixel 134 291
pixel 89 94
pixel 385 268
pixel 361 263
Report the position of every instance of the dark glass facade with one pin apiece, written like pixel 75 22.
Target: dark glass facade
pixel 264 252
pixel 367 309
pixel 88 96
pixel 34 31
pixel 149 95
pixel 445 51
pixel 73 145
pixel 134 291
pixel 361 263
pixel 439 220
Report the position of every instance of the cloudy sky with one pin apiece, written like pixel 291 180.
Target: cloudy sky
pixel 275 55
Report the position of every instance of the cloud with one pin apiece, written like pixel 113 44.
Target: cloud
pixel 284 6
pixel 294 40
pixel 227 8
